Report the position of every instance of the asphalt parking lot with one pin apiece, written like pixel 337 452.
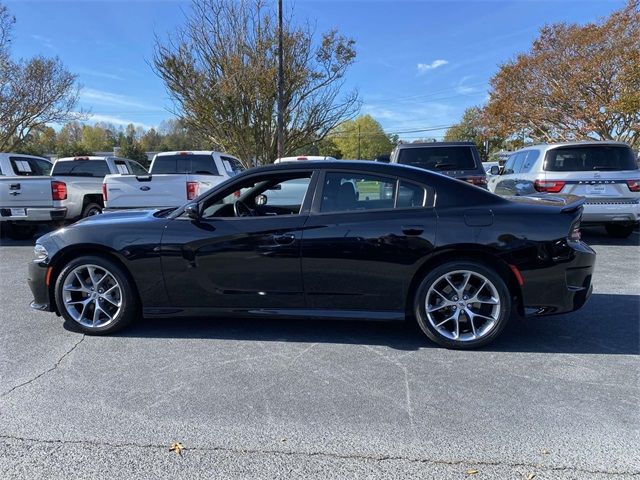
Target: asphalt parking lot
pixel 554 397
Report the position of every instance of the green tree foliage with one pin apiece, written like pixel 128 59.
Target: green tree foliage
pixel 362 138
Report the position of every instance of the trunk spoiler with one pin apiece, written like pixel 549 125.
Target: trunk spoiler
pixel 564 203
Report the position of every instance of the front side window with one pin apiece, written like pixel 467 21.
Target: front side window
pixel 344 192
pixel 266 195
pixel 30 167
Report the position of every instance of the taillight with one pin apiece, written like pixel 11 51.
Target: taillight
pixel 58 190
pixel 479 180
pixel 575 235
pixel 634 185
pixel 549 186
pixel 104 192
pixel 192 190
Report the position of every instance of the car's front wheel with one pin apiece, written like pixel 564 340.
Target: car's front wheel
pixel 95 295
pixel 619 231
pixel 462 305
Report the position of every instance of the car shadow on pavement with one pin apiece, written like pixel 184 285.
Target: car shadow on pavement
pixel 596 236
pixel 608 324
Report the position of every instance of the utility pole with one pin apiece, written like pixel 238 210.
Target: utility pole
pixel 280 85
pixel 358 141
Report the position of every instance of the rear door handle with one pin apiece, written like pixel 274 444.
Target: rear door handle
pixel 285 239
pixel 412 229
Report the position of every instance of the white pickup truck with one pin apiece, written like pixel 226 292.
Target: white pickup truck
pixel 174 178
pixel 28 195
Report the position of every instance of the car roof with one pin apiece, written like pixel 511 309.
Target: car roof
pixel 550 146
pixel 88 157
pixel 435 144
pixel 191 152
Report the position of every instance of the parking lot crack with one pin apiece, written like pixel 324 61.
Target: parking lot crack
pixel 45 372
pixel 332 455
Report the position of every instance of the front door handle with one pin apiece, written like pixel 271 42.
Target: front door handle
pixel 412 229
pixel 285 239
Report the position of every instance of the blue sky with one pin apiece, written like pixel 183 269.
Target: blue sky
pixel 420 64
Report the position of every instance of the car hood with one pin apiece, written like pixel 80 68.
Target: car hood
pixel 124 216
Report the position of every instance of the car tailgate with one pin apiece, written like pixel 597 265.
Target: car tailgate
pixel 145 191
pixel 26 191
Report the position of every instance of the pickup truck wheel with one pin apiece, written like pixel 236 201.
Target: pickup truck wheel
pixel 619 231
pixel 95 295
pixel 21 232
pixel 462 305
pixel 91 209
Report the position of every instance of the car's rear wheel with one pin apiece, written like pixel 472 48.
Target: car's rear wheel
pixel 619 231
pixel 91 209
pixel 95 295
pixel 462 305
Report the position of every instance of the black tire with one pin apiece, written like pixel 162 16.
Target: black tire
pixel 433 276
pixel 619 231
pixel 91 209
pixel 21 232
pixel 129 304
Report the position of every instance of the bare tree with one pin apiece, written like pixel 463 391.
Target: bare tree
pixel 221 71
pixel 33 92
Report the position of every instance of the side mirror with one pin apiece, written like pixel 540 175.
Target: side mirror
pixel 261 199
pixel 193 211
pixel 495 170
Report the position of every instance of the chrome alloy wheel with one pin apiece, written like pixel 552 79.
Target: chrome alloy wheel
pixel 463 305
pixel 92 296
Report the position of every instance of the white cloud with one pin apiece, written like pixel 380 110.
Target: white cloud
pixel 117 120
pixel 96 73
pixel 425 67
pixel 100 97
pixel 45 41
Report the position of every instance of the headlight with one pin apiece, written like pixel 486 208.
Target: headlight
pixel 40 252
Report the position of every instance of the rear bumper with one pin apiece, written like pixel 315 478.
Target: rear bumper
pixel 36 279
pixel 35 214
pixel 601 211
pixel 562 285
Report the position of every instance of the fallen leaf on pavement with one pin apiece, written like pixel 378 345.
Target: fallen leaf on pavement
pixel 531 476
pixel 545 451
pixel 176 447
pixel 472 472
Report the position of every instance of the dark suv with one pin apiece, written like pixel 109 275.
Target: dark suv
pixel 459 160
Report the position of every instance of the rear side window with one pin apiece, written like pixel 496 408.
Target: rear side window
pixel 196 164
pixel 232 164
pixel 410 195
pixel 136 168
pixel 530 160
pixel 122 167
pixel 590 157
pixel 438 158
pixel 30 167
pixel 81 168
pixel 345 192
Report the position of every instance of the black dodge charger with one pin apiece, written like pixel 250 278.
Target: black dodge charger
pixel 330 239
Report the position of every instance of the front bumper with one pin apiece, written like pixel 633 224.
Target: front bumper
pixel 37 280
pixel 39 215
pixel 601 211
pixel 559 284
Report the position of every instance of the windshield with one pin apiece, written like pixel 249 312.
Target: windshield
pixel 590 157
pixel 438 158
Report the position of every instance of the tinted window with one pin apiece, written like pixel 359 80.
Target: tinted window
pixel 410 195
pixel 530 160
pixel 518 161
pixel 30 167
pixel 81 168
pixel 136 168
pixel 438 158
pixel 197 164
pixel 590 157
pixel 348 191
pixel 232 165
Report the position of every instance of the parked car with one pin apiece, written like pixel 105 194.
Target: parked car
pixel 458 258
pixel 173 179
pixel 302 157
pixel 605 173
pixel 83 177
pixel 28 195
pixel 459 160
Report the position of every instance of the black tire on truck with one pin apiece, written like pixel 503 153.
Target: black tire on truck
pixel 91 209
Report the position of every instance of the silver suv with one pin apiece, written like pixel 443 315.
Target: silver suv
pixel 606 173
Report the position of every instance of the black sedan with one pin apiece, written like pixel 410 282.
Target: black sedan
pixel 331 239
